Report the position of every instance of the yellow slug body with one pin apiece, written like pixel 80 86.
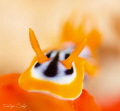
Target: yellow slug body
pixel 60 78
pixel 60 72
pixel 64 91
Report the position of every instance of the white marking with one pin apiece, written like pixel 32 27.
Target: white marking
pixel 63 52
pixel 61 78
pixel 86 53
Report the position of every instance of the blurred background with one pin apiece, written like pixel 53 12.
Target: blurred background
pixel 46 18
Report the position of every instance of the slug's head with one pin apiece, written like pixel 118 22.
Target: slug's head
pixel 54 74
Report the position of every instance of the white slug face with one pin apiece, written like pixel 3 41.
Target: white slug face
pixel 53 70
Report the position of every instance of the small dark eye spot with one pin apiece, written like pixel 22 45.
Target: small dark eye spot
pixel 37 65
pixel 69 71
pixel 49 54
pixel 67 55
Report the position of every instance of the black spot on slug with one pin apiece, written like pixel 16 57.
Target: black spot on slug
pixel 37 64
pixel 49 54
pixel 69 71
pixel 67 55
pixel 52 68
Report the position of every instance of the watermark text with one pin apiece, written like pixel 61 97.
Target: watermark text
pixel 18 106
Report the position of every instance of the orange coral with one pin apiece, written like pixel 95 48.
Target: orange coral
pixel 15 98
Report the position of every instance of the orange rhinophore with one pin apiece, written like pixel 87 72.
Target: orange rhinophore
pixel 52 82
pixel 41 57
pixel 73 36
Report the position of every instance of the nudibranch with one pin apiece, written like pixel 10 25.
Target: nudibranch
pixel 59 73
pixel 53 82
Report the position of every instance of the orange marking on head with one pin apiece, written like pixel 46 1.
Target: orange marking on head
pixel 41 57
pixel 68 62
